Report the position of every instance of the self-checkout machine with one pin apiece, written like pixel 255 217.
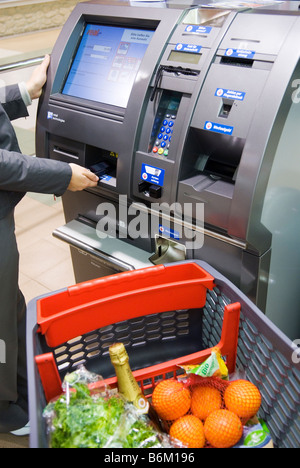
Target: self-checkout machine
pixel 189 115
pixel 103 96
pixel 240 162
pixel 245 123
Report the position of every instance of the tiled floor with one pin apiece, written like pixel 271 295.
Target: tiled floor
pixel 45 263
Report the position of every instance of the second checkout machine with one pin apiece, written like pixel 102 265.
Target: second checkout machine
pixel 190 116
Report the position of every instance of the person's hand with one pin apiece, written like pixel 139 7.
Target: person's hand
pixel 82 178
pixel 38 79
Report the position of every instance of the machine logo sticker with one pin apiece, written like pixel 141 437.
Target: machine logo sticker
pixel 194 49
pixel 194 29
pixel 230 94
pixel 52 116
pixel 240 53
pixel 215 127
pixel 169 232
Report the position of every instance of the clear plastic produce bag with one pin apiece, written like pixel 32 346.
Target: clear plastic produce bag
pixel 89 414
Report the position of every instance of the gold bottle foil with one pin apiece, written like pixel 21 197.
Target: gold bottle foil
pixel 127 384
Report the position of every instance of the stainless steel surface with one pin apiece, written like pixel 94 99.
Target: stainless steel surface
pixel 21 64
pixel 192 226
pixel 109 250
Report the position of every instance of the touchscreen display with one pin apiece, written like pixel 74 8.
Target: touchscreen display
pixel 106 64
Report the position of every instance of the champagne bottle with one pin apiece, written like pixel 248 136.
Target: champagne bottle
pixel 127 384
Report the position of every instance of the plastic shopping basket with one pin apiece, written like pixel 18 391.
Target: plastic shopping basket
pixel 166 316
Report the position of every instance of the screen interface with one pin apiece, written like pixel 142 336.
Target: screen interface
pixel 106 64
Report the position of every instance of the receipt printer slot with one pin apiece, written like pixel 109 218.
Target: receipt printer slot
pixel 212 154
pixel 152 190
pixel 225 110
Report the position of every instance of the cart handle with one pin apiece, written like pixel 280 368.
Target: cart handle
pixel 119 297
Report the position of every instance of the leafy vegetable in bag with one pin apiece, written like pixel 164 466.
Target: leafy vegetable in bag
pixel 81 418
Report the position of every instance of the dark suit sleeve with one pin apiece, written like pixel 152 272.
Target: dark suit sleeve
pixel 21 173
pixel 13 103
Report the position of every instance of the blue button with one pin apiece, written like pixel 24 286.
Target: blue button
pixel 170 138
pixel 166 137
pixel 165 122
pixel 168 130
pixel 162 129
pixel 171 124
pixel 159 136
pixel 163 144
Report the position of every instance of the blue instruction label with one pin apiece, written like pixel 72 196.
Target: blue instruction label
pixel 218 128
pixel 195 49
pixel 166 231
pixel 153 175
pixel 240 53
pixel 194 29
pixel 230 94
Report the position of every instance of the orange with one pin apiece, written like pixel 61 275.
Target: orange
pixel 171 399
pixel 205 399
pixel 189 430
pixel 223 428
pixel 243 398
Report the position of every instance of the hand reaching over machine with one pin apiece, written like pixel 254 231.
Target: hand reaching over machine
pixel 82 178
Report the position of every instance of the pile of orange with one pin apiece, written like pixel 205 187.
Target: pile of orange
pixel 223 428
pixel 203 415
pixel 243 398
pixel 171 399
pixel 189 430
pixel 205 399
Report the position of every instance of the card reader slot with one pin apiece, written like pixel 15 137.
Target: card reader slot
pixel 237 61
pixel 241 40
pixel 177 71
pixel 202 36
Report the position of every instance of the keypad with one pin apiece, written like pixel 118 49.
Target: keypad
pixel 164 136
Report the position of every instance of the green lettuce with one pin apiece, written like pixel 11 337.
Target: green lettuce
pixel 81 420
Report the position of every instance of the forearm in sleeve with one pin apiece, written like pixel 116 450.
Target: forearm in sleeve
pixel 14 101
pixel 21 173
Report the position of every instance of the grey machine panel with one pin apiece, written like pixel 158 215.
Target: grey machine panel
pixel 88 132
pixel 246 94
pixel 209 131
